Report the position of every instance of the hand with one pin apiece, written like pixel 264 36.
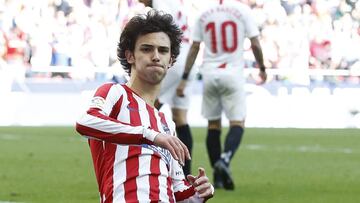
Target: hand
pixel 202 184
pixel 180 89
pixel 263 77
pixel 172 143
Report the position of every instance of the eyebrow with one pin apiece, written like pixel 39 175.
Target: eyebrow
pixel 151 46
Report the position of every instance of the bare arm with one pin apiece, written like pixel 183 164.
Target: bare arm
pixel 256 48
pixel 190 60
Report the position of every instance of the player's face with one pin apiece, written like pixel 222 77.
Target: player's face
pixel 151 57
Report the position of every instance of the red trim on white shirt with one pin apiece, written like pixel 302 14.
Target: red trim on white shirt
pixel 180 196
pixel 169 190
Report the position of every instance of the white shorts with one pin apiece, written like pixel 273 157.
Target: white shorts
pixel 171 81
pixel 224 92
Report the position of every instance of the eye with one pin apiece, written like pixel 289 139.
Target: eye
pixel 145 49
pixel 164 50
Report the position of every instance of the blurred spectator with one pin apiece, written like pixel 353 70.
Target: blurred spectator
pixel 80 34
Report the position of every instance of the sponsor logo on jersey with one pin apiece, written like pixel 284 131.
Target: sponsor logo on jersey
pixel 178 173
pixel 131 108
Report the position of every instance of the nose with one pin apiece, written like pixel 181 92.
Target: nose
pixel 156 57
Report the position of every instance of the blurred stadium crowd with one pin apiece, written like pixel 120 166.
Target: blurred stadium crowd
pixel 295 34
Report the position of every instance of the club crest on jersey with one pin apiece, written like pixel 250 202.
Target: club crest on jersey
pixel 97 102
pixel 165 128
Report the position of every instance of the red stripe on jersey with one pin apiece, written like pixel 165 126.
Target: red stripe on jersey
pixel 153 121
pixel 154 195
pixel 116 109
pixel 154 163
pixel 180 196
pixel 108 171
pixel 97 154
pixel 132 162
pixel 169 190
pixel 103 90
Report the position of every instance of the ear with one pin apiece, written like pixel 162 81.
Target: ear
pixel 129 57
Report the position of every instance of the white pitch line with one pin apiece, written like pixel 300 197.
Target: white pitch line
pixel 302 148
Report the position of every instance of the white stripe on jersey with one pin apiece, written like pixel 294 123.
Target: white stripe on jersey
pixel 143 181
pixel 163 181
pixel 119 175
pixel 109 126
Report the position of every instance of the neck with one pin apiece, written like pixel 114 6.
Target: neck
pixel 148 92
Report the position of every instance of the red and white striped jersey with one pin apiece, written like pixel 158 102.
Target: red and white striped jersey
pixel 121 128
pixel 223 27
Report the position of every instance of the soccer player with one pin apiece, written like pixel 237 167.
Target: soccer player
pixel 179 105
pixel 136 154
pixel 223 27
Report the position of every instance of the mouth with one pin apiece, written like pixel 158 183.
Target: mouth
pixel 156 66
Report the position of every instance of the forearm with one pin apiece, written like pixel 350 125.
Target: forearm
pixel 190 60
pixel 256 48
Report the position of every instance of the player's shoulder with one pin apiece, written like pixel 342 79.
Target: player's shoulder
pixel 109 87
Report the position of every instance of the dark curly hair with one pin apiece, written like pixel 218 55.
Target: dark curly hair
pixel 153 21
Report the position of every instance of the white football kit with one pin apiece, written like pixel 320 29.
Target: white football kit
pixel 223 27
pixel 121 128
pixel 173 77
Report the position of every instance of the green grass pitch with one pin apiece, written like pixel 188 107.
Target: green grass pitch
pixel 52 164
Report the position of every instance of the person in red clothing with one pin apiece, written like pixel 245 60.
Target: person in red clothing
pixel 136 154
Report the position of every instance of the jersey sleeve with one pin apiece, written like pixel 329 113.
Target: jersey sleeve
pixel 197 35
pixel 251 27
pixel 98 123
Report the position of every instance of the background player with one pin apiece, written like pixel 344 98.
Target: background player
pixel 135 152
pixel 223 28
pixel 179 105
